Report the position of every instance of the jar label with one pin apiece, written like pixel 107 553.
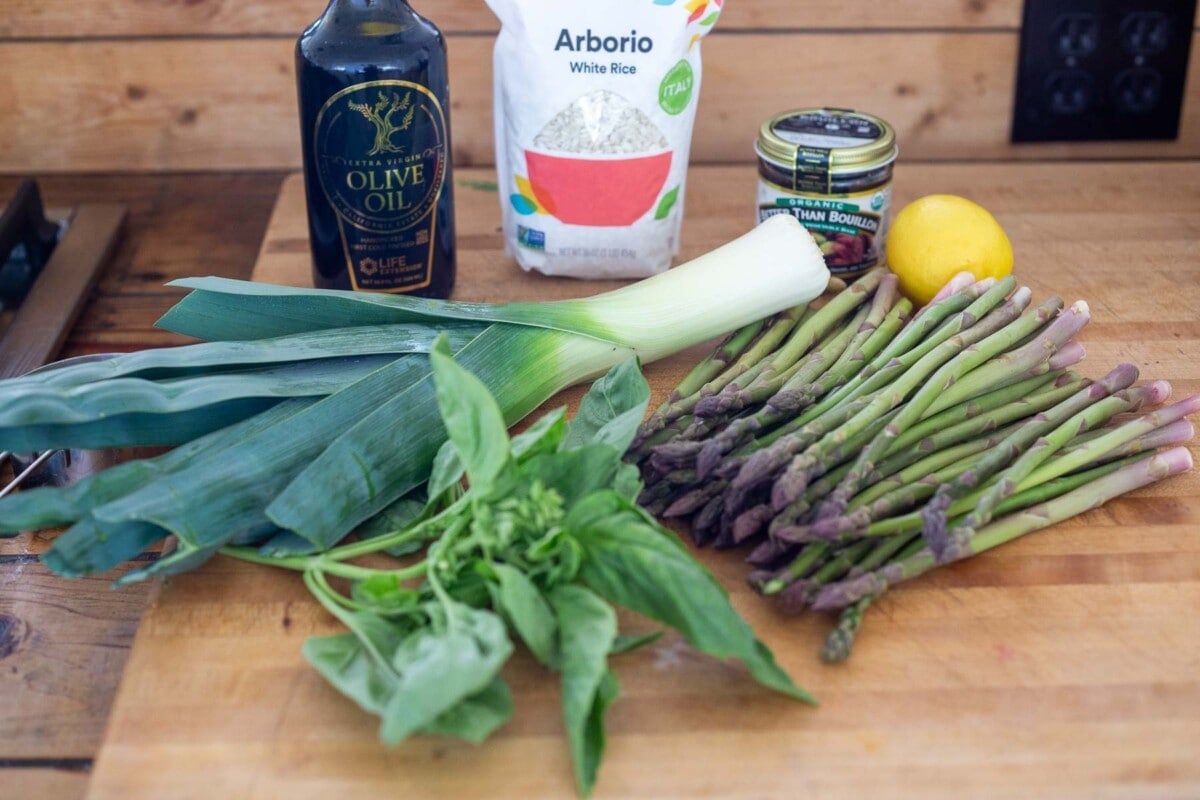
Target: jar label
pixel 380 152
pixel 849 228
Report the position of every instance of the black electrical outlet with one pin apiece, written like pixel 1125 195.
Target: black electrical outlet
pixel 1095 70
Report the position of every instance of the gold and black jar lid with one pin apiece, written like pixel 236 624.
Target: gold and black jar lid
pixel 825 150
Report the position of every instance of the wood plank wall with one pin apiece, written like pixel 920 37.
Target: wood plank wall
pixel 158 85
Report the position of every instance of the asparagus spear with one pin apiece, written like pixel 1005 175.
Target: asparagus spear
pixel 945 545
pixel 1128 478
pixel 998 407
pixel 788 400
pixel 837 645
pixel 770 379
pixel 1121 377
pixel 710 367
pixel 925 332
pixel 987 352
pixel 752 356
pixel 811 463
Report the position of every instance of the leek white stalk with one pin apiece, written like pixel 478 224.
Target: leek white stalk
pixel 775 266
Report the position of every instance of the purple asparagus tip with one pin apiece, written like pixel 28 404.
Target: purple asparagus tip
pixel 689 503
pixel 1068 355
pixel 710 456
pixel 1121 377
pixel 770 552
pixel 795 598
pixel 788 487
pixel 751 522
pixel 934 523
pixel 843 593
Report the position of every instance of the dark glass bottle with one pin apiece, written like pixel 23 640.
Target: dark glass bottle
pixel 375 130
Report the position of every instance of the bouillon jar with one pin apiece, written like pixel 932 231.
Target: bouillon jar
pixel 832 170
pixel 375 130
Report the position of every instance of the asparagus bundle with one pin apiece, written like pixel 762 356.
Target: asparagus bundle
pixel 859 444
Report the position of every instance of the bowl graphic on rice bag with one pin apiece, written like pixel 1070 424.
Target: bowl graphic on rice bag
pixel 597 190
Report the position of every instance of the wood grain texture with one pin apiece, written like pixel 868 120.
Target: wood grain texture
pixel 43 783
pixel 63 645
pixel 135 18
pixel 196 104
pixel 70 639
pixel 1063 665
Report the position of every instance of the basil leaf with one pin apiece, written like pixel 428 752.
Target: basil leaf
pixel 574 474
pixel 528 611
pixel 345 663
pixel 472 418
pixel 447 472
pixel 587 628
pixel 628 482
pixel 476 717
pixel 384 591
pixel 612 409
pixel 627 644
pixel 633 562
pixel 438 669
pixel 543 436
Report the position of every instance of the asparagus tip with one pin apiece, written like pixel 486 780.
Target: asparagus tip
pixel 1070 354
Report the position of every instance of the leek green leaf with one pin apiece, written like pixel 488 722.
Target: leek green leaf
pixel 134 430
pixel 183 558
pixel 225 356
pixel 220 309
pixel 221 493
pixel 46 507
pixel 32 405
pixel 90 546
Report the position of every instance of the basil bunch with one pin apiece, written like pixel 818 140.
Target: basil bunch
pixel 539 546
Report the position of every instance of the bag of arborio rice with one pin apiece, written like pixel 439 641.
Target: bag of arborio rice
pixel 594 109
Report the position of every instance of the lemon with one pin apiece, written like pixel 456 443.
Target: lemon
pixel 934 238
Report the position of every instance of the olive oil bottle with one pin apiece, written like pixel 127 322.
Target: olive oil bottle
pixel 375 130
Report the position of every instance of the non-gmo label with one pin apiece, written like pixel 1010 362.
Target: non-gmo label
pixel 675 91
pixel 531 238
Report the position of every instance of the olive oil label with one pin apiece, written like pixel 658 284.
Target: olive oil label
pixel 380 152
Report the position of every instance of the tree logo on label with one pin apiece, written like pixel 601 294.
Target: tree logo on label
pixel 380 115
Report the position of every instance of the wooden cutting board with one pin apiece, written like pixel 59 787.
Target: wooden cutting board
pixel 1064 665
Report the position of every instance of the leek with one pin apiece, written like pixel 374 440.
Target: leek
pixel 349 453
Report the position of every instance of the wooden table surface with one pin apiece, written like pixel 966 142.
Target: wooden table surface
pixel 1063 665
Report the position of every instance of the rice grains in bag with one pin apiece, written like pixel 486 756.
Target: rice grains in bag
pixel 594 104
